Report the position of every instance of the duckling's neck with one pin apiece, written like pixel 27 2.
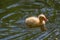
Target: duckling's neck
pixel 42 22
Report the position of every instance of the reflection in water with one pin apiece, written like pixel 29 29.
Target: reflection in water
pixel 7 16
pixel 2 10
pixel 12 6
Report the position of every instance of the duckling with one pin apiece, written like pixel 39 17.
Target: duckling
pixel 39 21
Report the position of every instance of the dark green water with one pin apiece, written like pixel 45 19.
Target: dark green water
pixel 14 12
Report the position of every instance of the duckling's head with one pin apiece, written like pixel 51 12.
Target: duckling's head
pixel 42 17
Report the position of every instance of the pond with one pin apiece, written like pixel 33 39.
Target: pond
pixel 14 12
